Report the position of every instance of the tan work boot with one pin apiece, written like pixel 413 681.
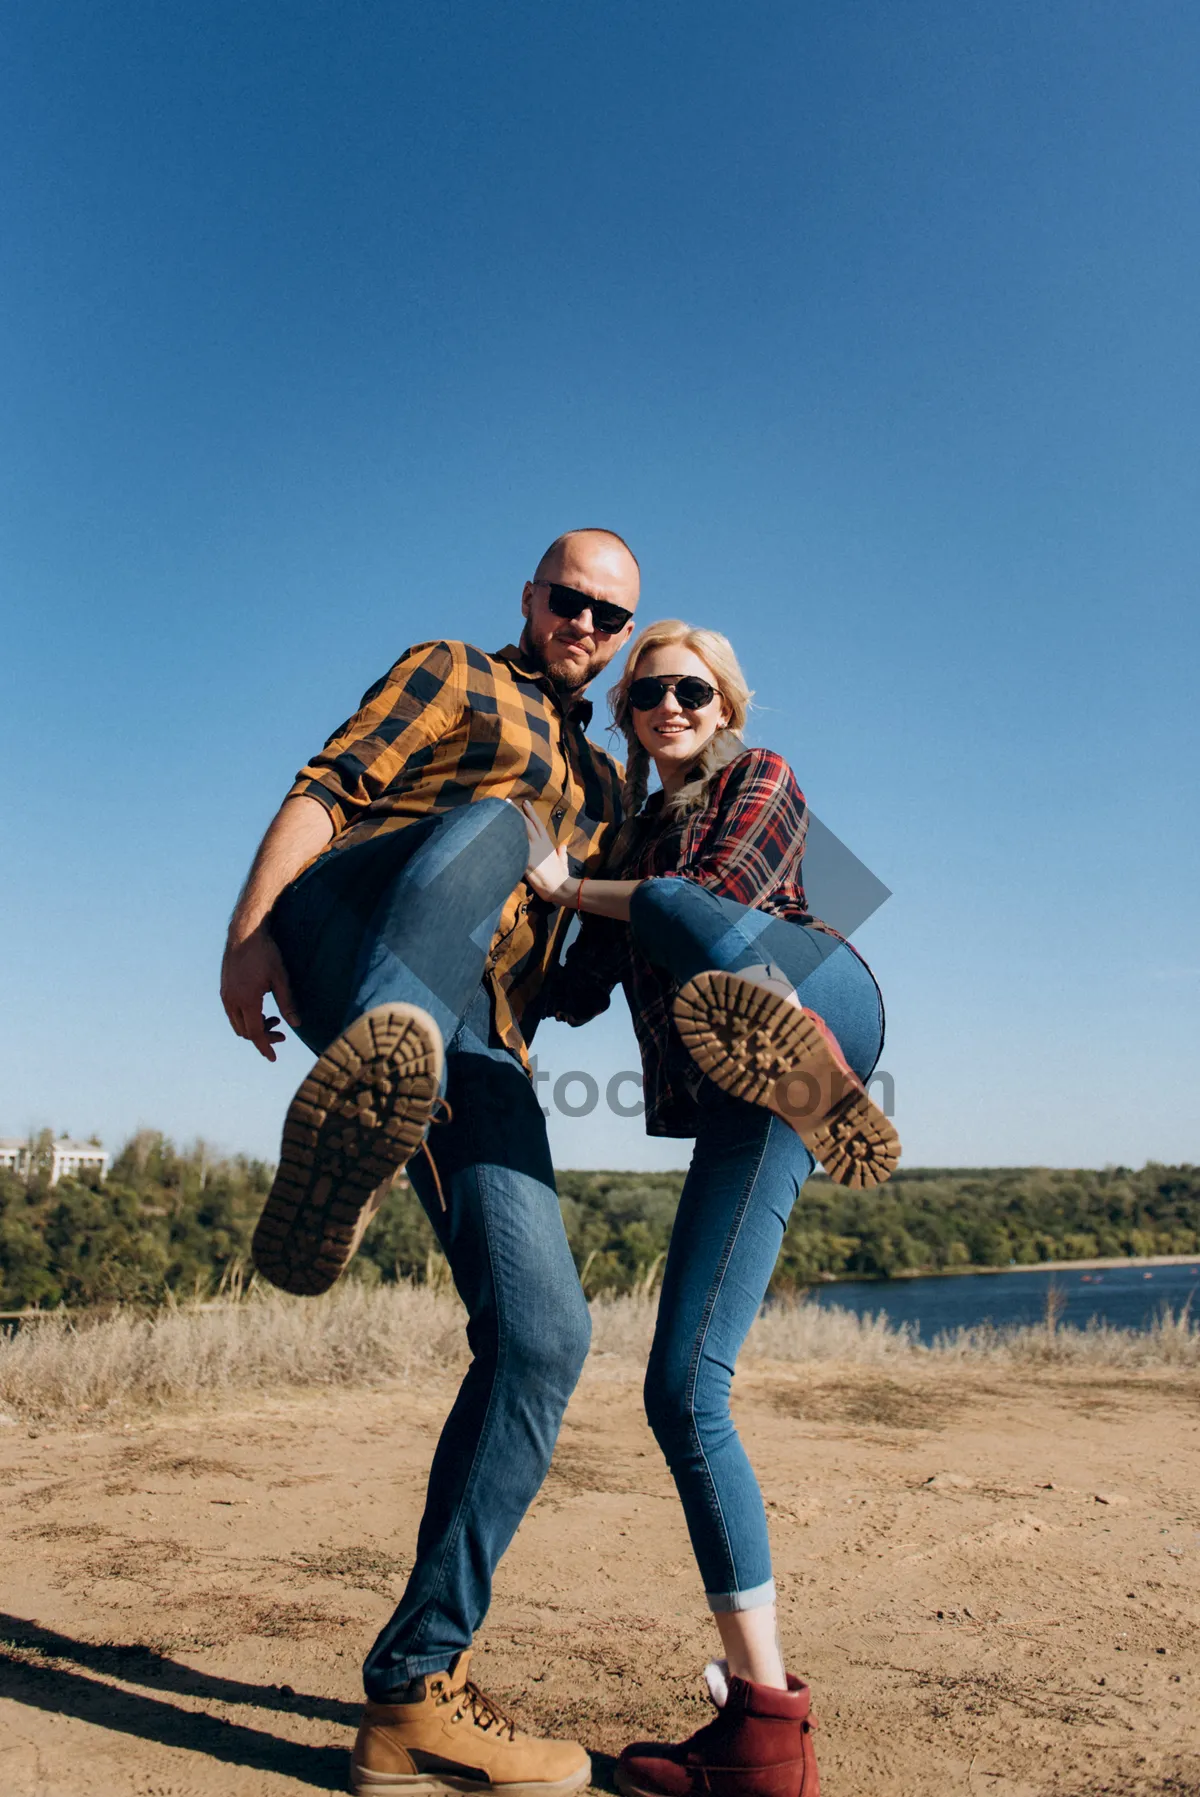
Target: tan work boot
pixel 359 1115
pixel 456 1739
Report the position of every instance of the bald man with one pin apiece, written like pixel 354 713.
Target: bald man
pixel 387 913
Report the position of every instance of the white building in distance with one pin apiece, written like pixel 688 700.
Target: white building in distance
pixel 69 1157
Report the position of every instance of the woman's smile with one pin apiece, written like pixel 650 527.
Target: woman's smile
pixel 674 734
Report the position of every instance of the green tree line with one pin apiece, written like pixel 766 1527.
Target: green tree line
pixel 169 1221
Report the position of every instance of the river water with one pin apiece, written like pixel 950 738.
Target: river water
pixel 1127 1297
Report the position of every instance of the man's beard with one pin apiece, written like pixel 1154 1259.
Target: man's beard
pixel 568 676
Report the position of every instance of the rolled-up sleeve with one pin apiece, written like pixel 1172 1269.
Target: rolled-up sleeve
pixel 756 839
pixel 417 702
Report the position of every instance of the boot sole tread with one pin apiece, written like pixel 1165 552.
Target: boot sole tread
pixel 360 1114
pixel 752 1042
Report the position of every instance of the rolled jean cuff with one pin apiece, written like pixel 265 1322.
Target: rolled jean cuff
pixel 721 1602
pixel 405 1670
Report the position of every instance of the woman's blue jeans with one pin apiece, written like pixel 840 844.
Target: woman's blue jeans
pixel 746 1173
pixel 410 915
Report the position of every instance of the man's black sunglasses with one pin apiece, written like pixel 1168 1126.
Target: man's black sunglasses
pixel 566 602
pixel 692 692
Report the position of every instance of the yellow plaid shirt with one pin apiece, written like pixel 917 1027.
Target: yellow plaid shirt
pixel 447 724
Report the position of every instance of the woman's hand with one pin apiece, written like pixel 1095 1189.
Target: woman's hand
pixel 548 871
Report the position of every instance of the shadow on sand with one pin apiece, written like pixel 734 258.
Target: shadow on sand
pixel 63 1692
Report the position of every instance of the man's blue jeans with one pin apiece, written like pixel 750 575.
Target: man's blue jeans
pixel 746 1173
pixel 410 916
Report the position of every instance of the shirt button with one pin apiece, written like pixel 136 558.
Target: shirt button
pixel 557 816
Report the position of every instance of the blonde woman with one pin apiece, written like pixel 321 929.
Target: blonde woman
pixel 758 1026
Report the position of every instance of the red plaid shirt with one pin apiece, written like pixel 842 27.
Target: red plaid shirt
pixel 746 843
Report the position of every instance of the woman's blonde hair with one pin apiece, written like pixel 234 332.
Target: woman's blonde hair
pixel 716 652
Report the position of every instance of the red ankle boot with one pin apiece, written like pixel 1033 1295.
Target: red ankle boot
pixel 759 1744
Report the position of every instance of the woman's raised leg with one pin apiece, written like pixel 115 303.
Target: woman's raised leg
pixel 777 1013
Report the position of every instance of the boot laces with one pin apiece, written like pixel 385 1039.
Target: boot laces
pixel 447 1117
pixel 484 1711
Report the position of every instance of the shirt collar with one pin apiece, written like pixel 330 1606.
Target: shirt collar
pixel 575 710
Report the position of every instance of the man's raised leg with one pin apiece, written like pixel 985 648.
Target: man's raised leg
pixel 385 944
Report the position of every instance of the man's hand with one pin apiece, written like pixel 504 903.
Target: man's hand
pixel 252 965
pixel 250 969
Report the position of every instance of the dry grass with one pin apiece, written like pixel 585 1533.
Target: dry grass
pixel 370 1336
pixel 1172 1340
pixel 811 1333
pixel 357 1336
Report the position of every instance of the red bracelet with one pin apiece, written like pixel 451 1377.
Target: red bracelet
pixel 579 898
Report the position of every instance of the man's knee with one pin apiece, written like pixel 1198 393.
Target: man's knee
pixel 547 1344
pixel 540 1333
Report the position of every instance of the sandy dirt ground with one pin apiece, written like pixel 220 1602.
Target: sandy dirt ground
pixel 989 1579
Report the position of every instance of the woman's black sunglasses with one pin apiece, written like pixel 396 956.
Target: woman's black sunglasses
pixel 692 692
pixel 566 602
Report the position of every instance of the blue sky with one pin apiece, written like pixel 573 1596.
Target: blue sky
pixel 872 328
